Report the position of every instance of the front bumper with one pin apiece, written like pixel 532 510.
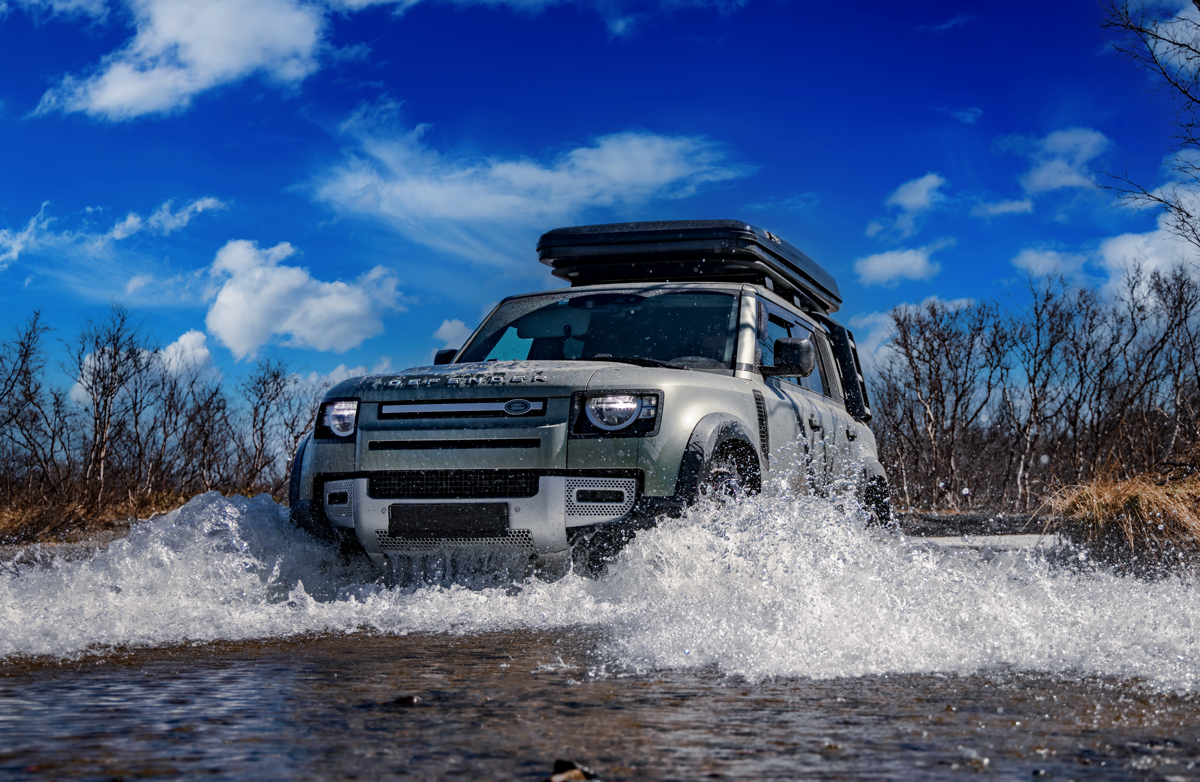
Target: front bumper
pixel 537 523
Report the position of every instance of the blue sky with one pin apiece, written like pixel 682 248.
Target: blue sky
pixel 352 183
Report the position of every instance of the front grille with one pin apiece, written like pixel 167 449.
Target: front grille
pixel 476 408
pixel 516 539
pixel 437 445
pixel 452 484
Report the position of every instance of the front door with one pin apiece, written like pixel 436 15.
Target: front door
pixel 800 457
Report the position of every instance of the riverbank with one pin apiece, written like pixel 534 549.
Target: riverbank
pixel 81 540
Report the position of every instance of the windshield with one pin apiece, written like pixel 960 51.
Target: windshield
pixel 696 330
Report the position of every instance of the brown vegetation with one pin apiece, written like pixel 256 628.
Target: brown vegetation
pixel 137 432
pixel 1154 518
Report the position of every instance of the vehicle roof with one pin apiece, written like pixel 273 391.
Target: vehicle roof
pixel 727 287
pixel 729 250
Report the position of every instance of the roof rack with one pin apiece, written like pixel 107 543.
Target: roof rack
pixel 676 250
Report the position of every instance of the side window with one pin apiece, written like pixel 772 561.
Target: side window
pixel 817 380
pixel 771 328
pixel 776 323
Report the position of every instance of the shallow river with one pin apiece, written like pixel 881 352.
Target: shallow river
pixel 776 639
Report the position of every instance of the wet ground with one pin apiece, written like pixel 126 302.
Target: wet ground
pixel 505 705
pixel 777 638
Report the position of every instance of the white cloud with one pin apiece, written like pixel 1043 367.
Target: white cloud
pixel 918 195
pixel 1047 263
pixel 137 282
pixel 187 358
pixel 1180 28
pixel 1059 160
pixel 255 299
pixel 890 267
pixel 1160 249
pixel 126 228
pixel 489 209
pixel 36 235
pixel 38 8
pixel 183 48
pixel 872 332
pixel 342 372
pixel 1157 250
pixel 997 208
pixel 453 333
pixel 189 355
pixel 913 199
pixel 13 243
pixel 162 221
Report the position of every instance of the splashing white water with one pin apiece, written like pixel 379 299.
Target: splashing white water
pixel 764 588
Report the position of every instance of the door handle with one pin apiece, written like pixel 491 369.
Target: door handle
pixel 851 434
pixel 813 422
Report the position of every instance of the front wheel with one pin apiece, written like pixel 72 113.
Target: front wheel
pixel 729 476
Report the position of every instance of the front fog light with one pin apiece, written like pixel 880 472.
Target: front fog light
pixel 611 413
pixel 341 418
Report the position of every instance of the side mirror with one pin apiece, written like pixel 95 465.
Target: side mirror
pixel 794 357
pixel 444 356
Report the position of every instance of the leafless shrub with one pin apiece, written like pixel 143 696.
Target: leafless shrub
pixel 139 431
pixel 985 407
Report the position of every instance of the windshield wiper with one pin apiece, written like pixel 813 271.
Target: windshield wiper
pixel 639 361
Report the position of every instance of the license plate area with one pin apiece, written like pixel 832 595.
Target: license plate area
pixel 448 520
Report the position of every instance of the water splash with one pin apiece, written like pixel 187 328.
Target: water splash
pixel 765 587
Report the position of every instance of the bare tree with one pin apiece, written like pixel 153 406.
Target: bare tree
pixel 109 360
pixel 947 363
pixel 279 409
pixel 1033 398
pixel 1165 41
pixel 19 358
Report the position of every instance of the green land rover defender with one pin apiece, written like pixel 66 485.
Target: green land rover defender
pixel 686 357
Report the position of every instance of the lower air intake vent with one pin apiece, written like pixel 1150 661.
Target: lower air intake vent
pixel 601 497
pixel 520 539
pixel 339 500
pixel 452 484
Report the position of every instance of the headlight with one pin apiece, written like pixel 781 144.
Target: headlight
pixel 341 418
pixel 611 413
pixel 618 413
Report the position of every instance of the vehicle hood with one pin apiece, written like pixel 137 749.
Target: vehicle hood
pixel 503 379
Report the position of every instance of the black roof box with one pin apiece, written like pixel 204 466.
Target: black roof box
pixel 676 250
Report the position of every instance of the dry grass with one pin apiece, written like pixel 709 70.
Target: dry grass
pixel 72 523
pixel 1147 517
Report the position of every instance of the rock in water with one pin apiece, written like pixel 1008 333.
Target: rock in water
pixel 570 771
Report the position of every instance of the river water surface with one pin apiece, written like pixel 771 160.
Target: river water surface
pixel 777 638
